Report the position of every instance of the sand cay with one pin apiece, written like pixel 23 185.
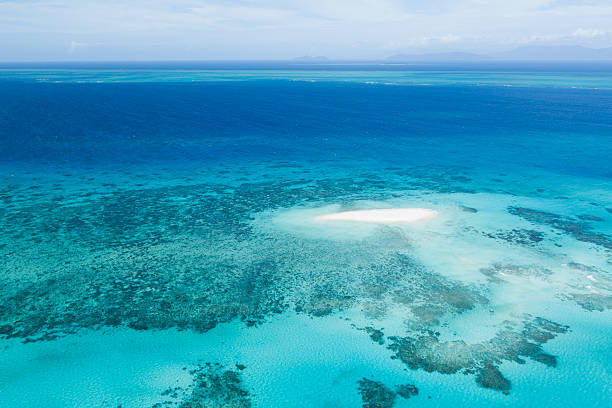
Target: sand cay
pixel 384 216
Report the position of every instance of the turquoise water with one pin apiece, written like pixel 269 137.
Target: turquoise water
pixel 159 246
pixel 594 80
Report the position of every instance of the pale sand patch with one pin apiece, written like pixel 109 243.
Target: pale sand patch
pixel 392 215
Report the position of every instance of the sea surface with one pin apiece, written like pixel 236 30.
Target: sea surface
pixel 158 245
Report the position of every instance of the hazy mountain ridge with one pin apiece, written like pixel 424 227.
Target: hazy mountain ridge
pixel 558 53
pixel 440 56
pixel 525 53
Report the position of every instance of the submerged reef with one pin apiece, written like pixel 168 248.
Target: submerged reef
pixel 177 256
pixel 592 301
pixel 591 287
pixel 579 229
pixel 376 335
pixel 406 390
pixel 430 296
pixel 194 256
pixel 592 290
pixel 427 352
pixel 213 387
pixel 375 394
pixel 518 236
pixel 193 283
pixel 498 273
pixel 468 209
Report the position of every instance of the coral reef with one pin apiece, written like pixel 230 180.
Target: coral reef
pixel 518 236
pixel 579 229
pixel 213 387
pixel 375 394
pixel 498 273
pixel 427 352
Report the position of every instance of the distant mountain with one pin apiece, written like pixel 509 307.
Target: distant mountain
pixel 441 56
pixel 309 58
pixel 557 53
pixel 526 53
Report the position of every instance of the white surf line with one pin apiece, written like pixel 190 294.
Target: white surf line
pixel 386 216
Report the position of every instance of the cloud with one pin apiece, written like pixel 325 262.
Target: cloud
pixel 75 46
pixel 221 29
pixel 589 33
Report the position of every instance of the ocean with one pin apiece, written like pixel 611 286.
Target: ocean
pixel 160 243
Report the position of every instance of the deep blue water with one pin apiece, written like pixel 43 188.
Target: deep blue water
pixel 272 120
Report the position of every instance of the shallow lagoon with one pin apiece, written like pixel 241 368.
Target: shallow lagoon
pixel 145 266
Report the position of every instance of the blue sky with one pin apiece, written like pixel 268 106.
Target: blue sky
pixel 274 29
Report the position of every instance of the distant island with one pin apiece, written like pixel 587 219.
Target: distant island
pixel 525 53
pixel 557 53
pixel 442 56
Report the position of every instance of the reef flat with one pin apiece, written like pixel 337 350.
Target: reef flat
pixel 195 256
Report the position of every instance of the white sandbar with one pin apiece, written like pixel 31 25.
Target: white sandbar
pixel 392 215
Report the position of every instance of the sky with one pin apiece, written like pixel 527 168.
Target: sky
pixel 70 30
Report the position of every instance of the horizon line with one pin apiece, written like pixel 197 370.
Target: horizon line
pixel 298 60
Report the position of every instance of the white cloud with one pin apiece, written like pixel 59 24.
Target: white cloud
pixel 208 29
pixel 588 33
pixel 75 46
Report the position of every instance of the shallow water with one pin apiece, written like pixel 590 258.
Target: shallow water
pixel 159 246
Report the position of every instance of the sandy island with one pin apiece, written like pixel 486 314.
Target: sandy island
pixel 392 215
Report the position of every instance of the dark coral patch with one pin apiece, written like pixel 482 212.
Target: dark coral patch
pixel 578 229
pixel 587 217
pixel 376 335
pixel 427 352
pixel 213 387
pixel 490 377
pixel 407 390
pixel 375 394
pixel 592 301
pixel 468 209
pixel 518 236
pixel 580 267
